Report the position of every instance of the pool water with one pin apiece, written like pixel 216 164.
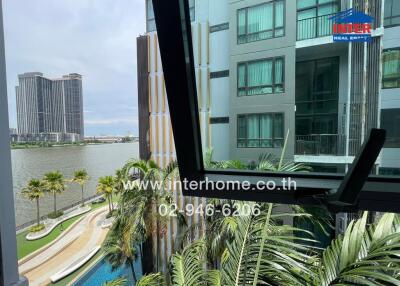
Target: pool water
pixel 101 272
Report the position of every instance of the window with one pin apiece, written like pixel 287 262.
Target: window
pixel 317 84
pixel 261 77
pixel 261 22
pixel 190 102
pixel 151 23
pixel 391 122
pixel 391 68
pixel 313 18
pixel 192 10
pixel 392 13
pixel 260 130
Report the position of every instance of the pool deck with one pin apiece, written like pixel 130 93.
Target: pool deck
pixel 86 234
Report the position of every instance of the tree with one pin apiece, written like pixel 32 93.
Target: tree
pixel 138 212
pixel 33 191
pixel 55 184
pixel 80 178
pixel 106 187
pixel 364 255
pixel 120 251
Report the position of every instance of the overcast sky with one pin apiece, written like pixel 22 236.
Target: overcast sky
pixel 96 38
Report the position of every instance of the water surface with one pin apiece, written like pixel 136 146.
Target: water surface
pixel 98 160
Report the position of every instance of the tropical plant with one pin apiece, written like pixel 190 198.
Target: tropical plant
pixel 364 255
pixel 121 281
pixel 33 191
pixel 265 254
pixel 120 251
pixel 137 216
pixel 80 178
pixel 105 187
pixel 156 279
pixel 54 184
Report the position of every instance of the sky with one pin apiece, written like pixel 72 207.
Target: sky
pixel 95 38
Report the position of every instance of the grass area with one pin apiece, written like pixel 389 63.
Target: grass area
pixel 26 247
pixel 67 280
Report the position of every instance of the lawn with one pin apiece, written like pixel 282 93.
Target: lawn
pixel 26 247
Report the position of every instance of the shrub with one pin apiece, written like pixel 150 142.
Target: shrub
pixel 54 215
pixel 37 228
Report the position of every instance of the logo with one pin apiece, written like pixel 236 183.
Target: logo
pixel 352 26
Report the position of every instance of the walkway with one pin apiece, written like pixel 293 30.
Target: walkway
pixel 85 235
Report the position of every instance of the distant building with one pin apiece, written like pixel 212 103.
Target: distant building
pixel 13 131
pixel 49 110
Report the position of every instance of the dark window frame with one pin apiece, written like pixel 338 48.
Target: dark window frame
pixel 273 85
pixel 391 17
pixel 273 139
pixel 398 67
pixel 273 30
pixel 378 193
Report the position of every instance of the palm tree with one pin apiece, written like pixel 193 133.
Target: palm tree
pixel 120 251
pixel 106 187
pixel 80 178
pixel 55 184
pixel 364 255
pixel 138 215
pixel 33 192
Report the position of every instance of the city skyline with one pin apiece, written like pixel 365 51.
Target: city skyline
pixel 99 44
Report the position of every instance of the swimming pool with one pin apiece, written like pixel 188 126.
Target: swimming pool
pixel 101 272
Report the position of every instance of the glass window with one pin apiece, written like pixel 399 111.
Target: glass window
pixel 391 122
pixel 392 13
pixel 151 23
pixel 261 77
pixel 391 68
pixel 317 107
pixel 192 10
pixel 260 130
pixel 260 22
pixel 313 18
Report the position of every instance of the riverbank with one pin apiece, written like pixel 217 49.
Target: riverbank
pixel 18 146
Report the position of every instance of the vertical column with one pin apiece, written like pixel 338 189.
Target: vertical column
pixel 8 245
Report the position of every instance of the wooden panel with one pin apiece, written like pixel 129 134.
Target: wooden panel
pixel 143 97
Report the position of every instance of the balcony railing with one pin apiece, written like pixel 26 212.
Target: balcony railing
pixel 321 144
pixel 315 27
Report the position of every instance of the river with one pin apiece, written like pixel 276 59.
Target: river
pixel 98 160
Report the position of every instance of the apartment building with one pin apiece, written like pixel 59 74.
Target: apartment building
pixel 267 70
pixel 270 69
pixel 49 109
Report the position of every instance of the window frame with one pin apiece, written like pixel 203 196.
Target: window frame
pixel 273 138
pixel 378 193
pixel 398 69
pixel 391 17
pixel 246 35
pixel 273 85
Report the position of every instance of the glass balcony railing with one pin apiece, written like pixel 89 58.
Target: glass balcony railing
pixel 321 144
pixel 314 27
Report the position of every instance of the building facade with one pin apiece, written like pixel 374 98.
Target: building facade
pixel 262 77
pixel 49 109
pixel 267 70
